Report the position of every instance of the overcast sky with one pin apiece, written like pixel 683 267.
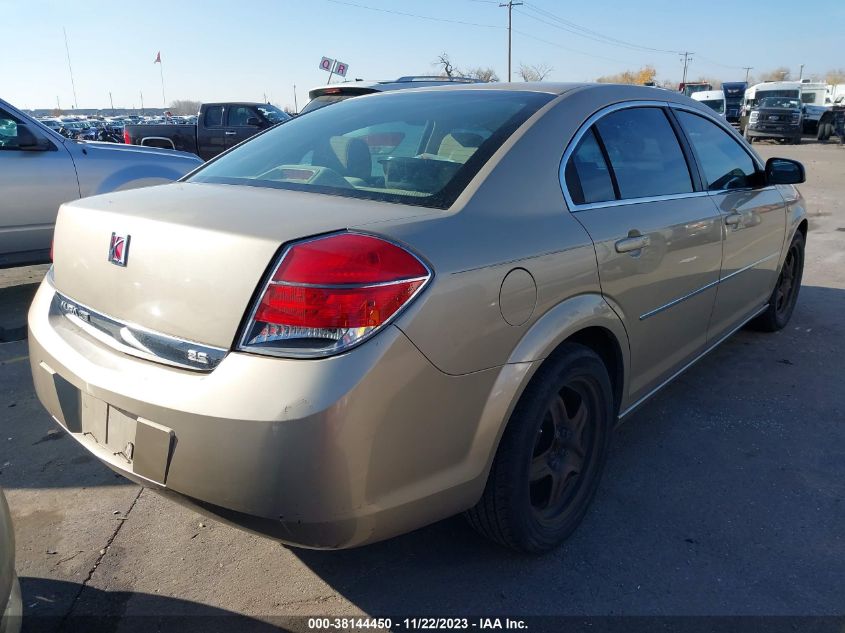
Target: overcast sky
pixel 216 50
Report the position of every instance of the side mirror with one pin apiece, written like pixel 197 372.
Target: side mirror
pixel 784 171
pixel 253 121
pixel 27 141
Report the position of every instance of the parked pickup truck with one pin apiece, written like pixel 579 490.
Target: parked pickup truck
pixel 219 127
pixel 40 169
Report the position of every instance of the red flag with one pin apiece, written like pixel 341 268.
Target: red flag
pixel 158 58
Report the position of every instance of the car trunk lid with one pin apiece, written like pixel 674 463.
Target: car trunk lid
pixel 193 254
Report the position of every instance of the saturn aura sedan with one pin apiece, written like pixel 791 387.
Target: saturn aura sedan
pixel 411 305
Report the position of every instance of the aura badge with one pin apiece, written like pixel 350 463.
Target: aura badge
pixel 119 249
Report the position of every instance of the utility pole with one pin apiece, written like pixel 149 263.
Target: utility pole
pixel 687 59
pixel 801 73
pixel 747 70
pixel 111 101
pixel 510 4
pixel 295 106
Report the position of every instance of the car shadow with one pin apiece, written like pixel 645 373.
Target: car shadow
pixel 97 611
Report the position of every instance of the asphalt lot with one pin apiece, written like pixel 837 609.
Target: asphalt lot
pixel 725 495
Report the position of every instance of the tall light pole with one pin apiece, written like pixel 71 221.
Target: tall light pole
pixel 510 4
pixel 801 73
pixel 72 84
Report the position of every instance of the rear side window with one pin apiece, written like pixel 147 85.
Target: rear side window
pixel 214 116
pixel 587 176
pixel 724 163
pixel 644 153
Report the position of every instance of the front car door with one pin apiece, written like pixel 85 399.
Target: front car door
pixel 211 133
pixel 753 221
pixel 34 184
pixel 242 122
pixel 657 235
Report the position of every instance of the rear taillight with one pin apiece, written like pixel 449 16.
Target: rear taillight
pixel 126 138
pixel 330 293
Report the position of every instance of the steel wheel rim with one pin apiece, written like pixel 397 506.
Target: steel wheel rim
pixel 563 454
pixel 787 281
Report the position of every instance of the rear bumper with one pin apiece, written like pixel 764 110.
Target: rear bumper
pixel 325 453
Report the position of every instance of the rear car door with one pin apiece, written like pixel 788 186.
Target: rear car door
pixel 211 133
pixel 242 122
pixel 657 235
pixel 753 220
pixel 34 184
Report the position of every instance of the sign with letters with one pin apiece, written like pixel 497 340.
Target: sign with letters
pixel 334 66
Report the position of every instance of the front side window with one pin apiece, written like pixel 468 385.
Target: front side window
pixel 239 115
pixel 644 153
pixel 417 148
pixel 587 176
pixel 724 163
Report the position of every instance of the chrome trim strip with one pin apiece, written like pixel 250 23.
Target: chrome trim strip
pixel 691 363
pixel 675 302
pixel 135 340
pixel 750 266
pixel 631 201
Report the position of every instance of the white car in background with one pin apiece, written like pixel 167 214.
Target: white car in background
pixel 713 99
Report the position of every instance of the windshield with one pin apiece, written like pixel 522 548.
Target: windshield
pixel 413 147
pixel 717 105
pixel 273 114
pixel 780 102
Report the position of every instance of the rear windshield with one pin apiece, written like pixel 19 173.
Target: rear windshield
pixel 412 147
pixel 323 100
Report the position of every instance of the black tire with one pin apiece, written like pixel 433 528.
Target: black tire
pixel 796 140
pixel 823 132
pixel 785 295
pixel 551 455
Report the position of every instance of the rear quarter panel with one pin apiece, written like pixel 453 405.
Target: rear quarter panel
pixel 513 215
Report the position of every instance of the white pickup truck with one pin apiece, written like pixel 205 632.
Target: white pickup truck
pixel 40 169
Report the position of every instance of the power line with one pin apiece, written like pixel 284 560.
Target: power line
pixel 510 4
pixel 568 48
pixel 414 15
pixel 582 31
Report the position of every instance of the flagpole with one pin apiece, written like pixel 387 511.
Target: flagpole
pixel 161 72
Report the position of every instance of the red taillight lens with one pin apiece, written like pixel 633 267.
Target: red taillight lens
pixel 126 138
pixel 331 293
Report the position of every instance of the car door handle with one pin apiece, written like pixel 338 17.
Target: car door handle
pixel 733 219
pixel 632 244
pixel 230 133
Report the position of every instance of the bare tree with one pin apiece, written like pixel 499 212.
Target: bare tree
pixel 534 72
pixel 836 76
pixel 289 110
pixel 447 69
pixel 484 74
pixel 185 106
pixel 716 83
pixel 778 74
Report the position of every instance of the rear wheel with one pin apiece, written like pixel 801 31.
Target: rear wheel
pixel 785 295
pixel 551 456
pixel 796 140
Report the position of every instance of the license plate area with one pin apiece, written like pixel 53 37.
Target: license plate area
pixel 110 427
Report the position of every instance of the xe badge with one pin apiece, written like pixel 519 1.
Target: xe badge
pixel 119 249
